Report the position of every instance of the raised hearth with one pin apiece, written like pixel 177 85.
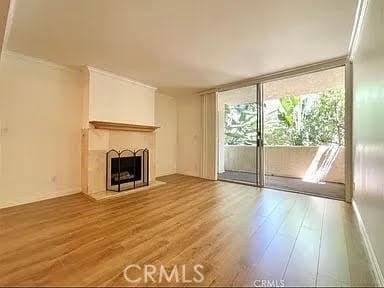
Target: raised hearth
pixel 105 195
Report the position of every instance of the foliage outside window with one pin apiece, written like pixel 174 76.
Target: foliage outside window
pixel 308 120
pixel 240 124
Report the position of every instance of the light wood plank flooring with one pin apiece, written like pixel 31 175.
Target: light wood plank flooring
pixel 238 233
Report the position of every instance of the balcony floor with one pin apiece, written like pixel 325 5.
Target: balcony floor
pixel 326 189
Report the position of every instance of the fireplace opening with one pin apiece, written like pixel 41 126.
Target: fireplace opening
pixel 127 169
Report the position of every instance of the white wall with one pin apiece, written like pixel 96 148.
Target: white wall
pixel 189 138
pixel 368 130
pixel 166 135
pixel 40 114
pixel 116 99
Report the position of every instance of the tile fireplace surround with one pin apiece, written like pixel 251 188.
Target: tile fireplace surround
pixel 96 143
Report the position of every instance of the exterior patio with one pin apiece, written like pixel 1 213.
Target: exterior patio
pixel 307 169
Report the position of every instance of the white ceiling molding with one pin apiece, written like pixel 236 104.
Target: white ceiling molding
pixel 41 61
pixel 121 78
pixel 357 26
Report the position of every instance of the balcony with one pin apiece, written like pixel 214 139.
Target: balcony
pixel 310 169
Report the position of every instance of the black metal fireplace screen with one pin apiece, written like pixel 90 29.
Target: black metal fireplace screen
pixel 127 169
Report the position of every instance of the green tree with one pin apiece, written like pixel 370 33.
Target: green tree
pixel 240 124
pixel 324 123
pixel 311 120
pixel 289 114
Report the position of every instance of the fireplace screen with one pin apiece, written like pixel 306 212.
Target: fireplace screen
pixel 127 169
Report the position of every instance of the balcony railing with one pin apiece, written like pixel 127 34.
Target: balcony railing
pixel 314 163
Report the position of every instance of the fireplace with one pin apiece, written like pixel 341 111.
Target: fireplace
pixel 127 169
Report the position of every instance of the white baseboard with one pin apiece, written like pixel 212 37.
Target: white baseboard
pixel 371 253
pixel 55 194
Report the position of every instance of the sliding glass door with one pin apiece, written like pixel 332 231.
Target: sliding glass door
pixel 286 133
pixel 239 135
pixel 304 133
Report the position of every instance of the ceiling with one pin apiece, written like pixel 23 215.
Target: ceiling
pixel 181 46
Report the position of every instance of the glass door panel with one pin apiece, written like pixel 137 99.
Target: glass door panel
pixel 238 135
pixel 304 133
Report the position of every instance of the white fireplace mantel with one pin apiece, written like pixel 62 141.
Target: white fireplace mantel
pixel 123 126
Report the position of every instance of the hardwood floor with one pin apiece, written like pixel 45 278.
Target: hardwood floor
pixel 238 233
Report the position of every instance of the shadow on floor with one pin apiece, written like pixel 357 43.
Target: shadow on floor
pixel 326 189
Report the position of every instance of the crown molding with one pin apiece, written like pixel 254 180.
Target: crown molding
pixel 118 77
pixel 40 61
